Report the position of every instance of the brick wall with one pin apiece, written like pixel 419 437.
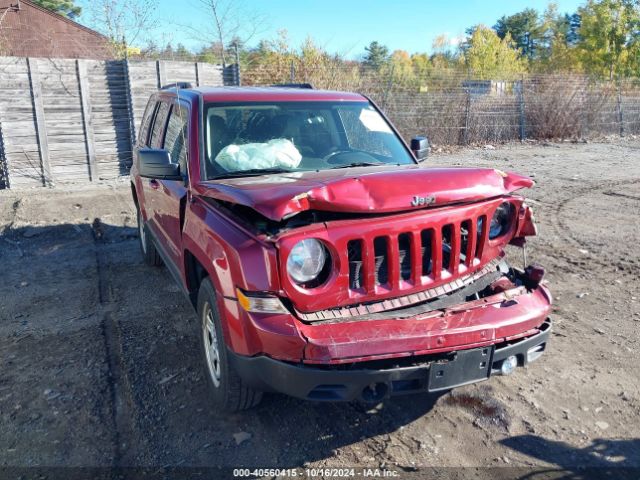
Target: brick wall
pixel 33 31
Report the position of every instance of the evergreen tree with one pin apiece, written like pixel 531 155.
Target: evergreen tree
pixel 66 8
pixel 377 55
pixel 525 30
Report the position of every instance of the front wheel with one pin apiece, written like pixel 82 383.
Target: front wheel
pixel 228 390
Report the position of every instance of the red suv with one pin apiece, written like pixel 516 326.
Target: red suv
pixel 323 260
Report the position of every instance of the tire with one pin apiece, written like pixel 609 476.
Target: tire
pixel 229 393
pixel 149 251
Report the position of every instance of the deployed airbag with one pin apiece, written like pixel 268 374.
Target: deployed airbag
pixel 273 154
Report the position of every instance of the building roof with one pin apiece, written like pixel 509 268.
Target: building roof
pixel 62 18
pixel 29 30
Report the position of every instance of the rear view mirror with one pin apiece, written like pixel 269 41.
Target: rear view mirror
pixel 156 163
pixel 420 148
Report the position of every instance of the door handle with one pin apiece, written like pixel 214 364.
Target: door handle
pixel 153 183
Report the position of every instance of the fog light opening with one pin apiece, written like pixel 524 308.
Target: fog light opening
pixel 509 364
pixel 375 392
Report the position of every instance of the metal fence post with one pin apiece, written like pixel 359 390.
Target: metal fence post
pixel 467 114
pixel 620 113
pixel 520 91
pixel 237 69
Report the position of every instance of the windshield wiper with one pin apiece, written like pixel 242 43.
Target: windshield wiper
pixel 252 172
pixel 360 164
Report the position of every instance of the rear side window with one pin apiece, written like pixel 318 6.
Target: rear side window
pixel 176 137
pixel 158 125
pixel 146 122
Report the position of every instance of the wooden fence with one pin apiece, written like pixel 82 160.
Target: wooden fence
pixel 71 120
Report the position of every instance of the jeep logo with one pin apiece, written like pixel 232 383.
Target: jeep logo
pixel 419 201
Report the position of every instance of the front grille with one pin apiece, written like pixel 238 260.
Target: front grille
pixel 406 259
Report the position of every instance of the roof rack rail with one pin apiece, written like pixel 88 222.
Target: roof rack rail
pixel 176 85
pixel 294 85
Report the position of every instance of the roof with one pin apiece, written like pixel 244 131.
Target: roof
pixel 62 18
pixel 29 30
pixel 274 94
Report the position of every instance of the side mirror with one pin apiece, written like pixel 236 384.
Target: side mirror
pixel 420 148
pixel 156 163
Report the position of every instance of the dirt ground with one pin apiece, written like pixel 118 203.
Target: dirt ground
pixel 99 367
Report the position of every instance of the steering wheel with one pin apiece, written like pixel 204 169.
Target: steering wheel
pixel 334 154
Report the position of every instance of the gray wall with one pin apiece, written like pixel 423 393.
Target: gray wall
pixel 68 120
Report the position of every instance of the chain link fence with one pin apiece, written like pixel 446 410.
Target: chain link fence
pixel 454 108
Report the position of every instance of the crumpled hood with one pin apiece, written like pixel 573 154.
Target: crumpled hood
pixel 363 190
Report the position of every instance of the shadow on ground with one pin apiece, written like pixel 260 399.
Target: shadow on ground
pixel 602 459
pixel 146 390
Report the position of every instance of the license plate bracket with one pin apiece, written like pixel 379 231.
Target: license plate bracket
pixel 468 366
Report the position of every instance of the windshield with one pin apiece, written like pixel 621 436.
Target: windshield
pixel 254 138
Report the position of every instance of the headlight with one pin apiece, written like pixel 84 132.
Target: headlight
pixel 501 220
pixel 306 260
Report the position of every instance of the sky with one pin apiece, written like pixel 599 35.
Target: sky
pixel 347 26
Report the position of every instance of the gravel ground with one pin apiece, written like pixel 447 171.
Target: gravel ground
pixel 99 365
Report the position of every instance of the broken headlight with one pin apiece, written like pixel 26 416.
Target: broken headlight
pixel 306 260
pixel 501 220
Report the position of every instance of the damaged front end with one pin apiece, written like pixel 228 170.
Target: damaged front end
pixel 378 304
pixel 422 281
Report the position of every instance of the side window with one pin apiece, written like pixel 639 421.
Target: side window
pixel 158 125
pixel 175 140
pixel 146 122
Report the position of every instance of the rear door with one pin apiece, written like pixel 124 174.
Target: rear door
pixel 143 142
pixel 152 188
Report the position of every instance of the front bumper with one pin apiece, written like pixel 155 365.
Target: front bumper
pixel 480 323
pixel 372 382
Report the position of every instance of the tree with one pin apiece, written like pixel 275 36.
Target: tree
pixel 609 43
pixel 183 53
pixel 557 52
pixel 490 57
pixel 377 55
pixel 124 22
pixel 66 8
pixel 225 23
pixel 443 57
pixel 556 25
pixel 402 67
pixel 525 30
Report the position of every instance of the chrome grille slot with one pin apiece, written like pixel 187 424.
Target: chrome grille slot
pixel 447 239
pixel 381 251
pixel 356 274
pixel 404 255
pixel 426 236
pixel 465 229
pixel 481 224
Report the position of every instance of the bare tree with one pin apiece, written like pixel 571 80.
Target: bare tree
pixel 226 23
pixel 124 21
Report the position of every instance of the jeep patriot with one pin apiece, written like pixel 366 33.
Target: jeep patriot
pixel 324 258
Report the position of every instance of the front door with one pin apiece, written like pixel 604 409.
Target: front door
pixel 172 194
